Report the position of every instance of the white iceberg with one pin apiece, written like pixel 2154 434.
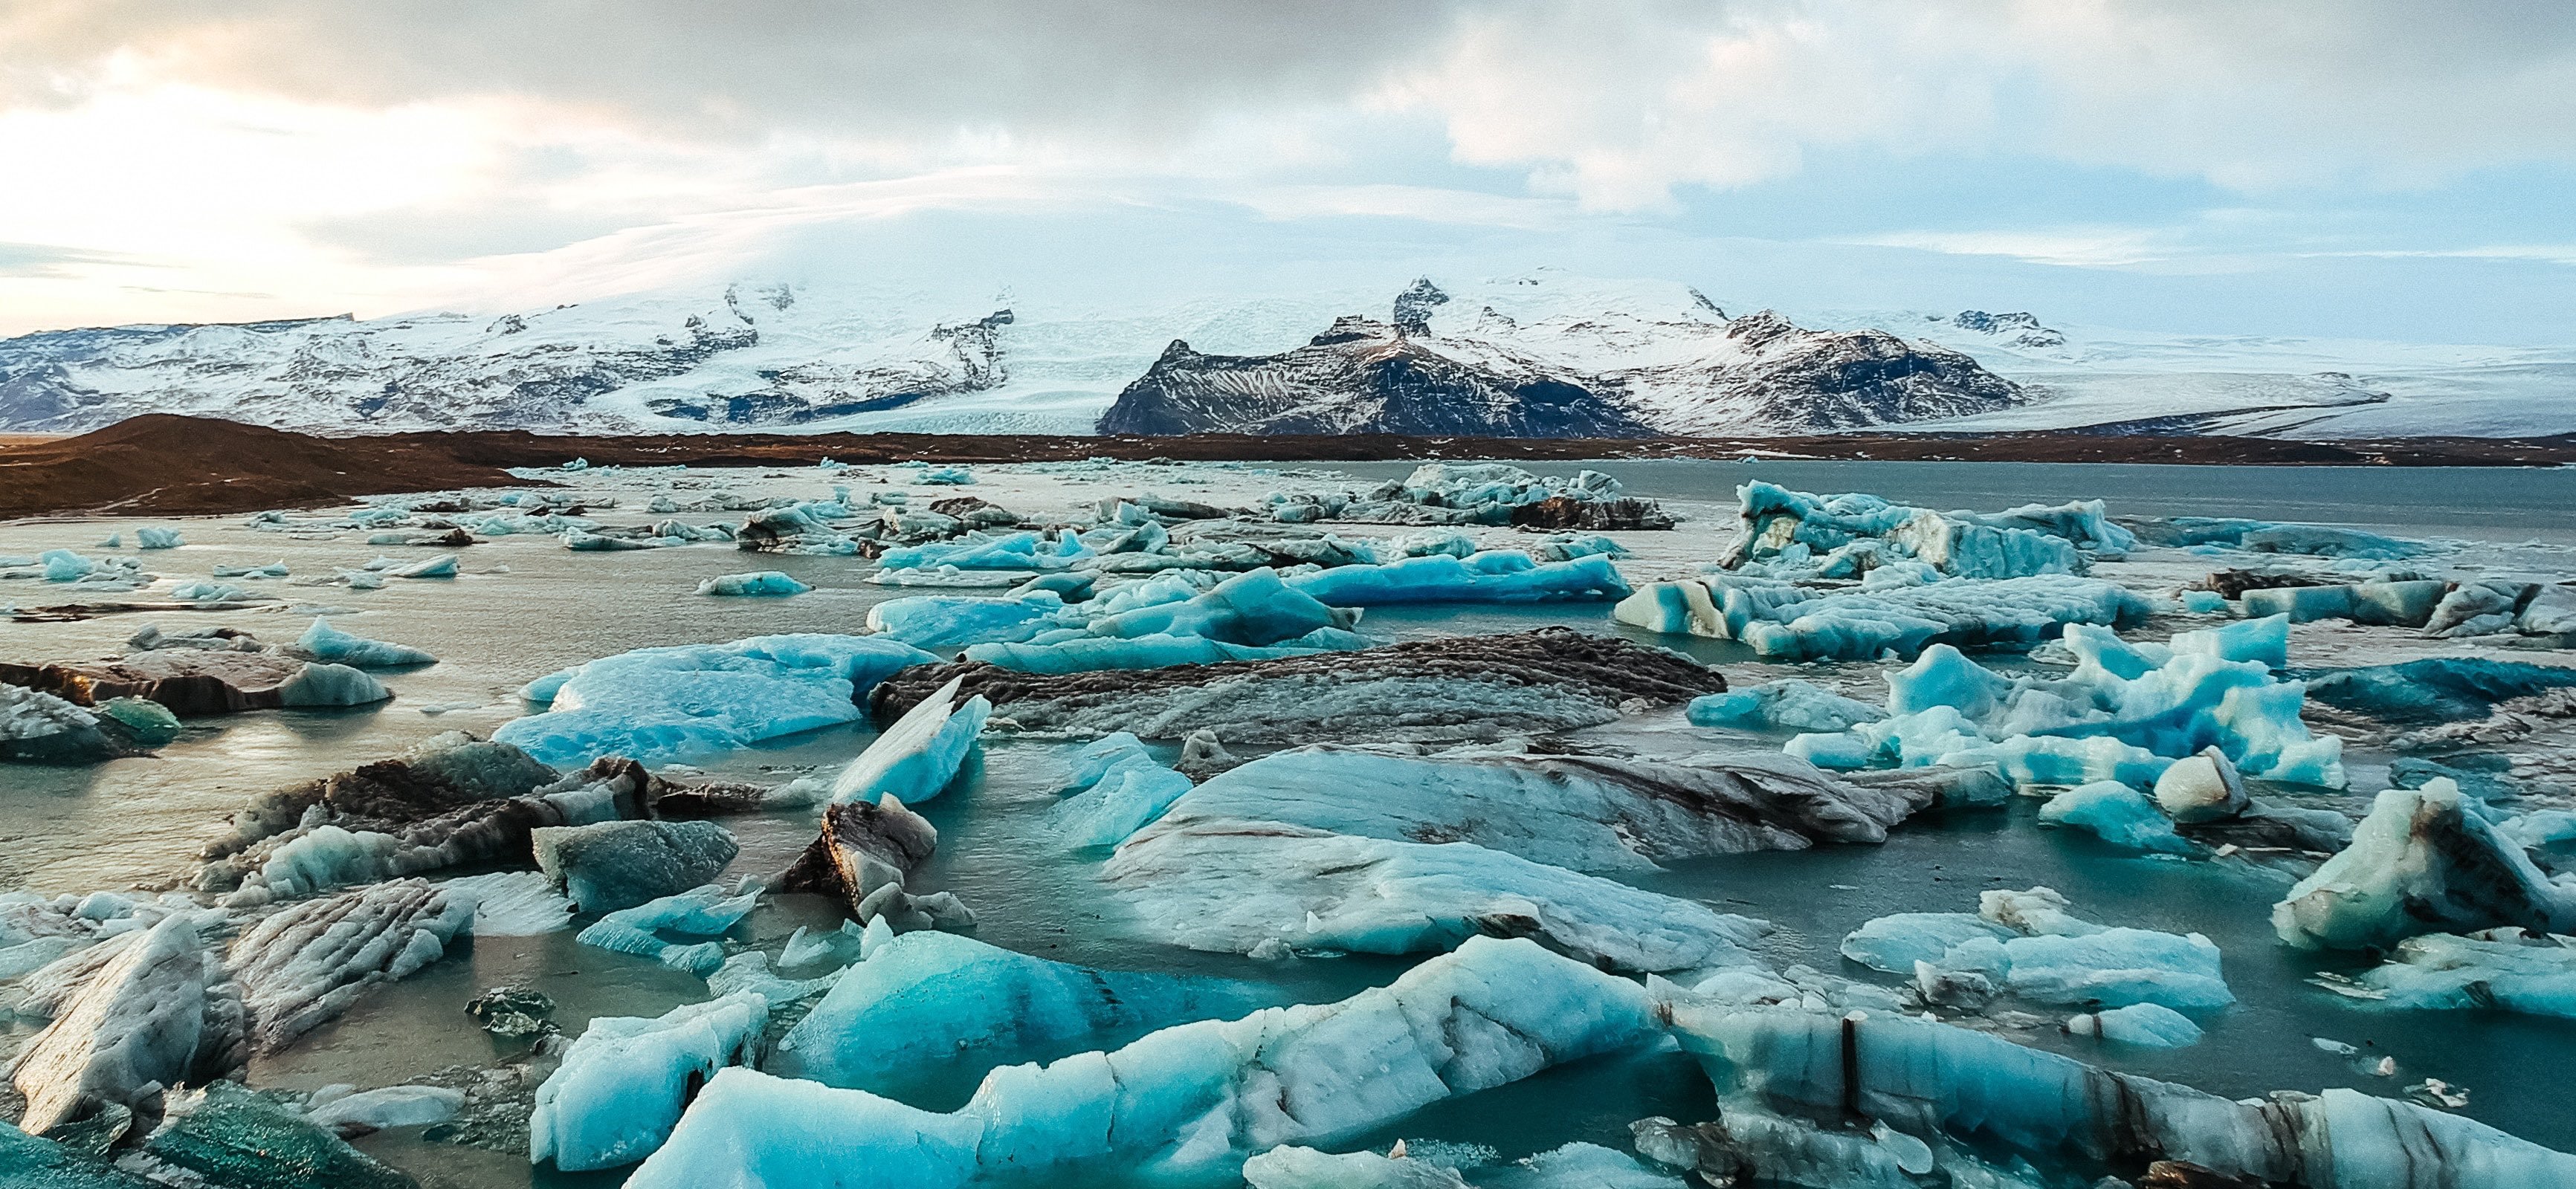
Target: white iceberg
pixel 657 705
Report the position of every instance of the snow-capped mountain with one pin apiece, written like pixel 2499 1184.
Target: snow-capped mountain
pixel 1544 352
pixel 1544 355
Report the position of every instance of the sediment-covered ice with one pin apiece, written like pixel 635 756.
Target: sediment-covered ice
pixel 611 865
pixel 1931 1081
pixel 1188 1103
pixel 662 704
pixel 513 903
pixel 1264 887
pixel 2426 860
pixel 928 997
pixel 153 1012
pixel 305 964
pixel 1589 813
pixel 2027 944
pixel 625 1080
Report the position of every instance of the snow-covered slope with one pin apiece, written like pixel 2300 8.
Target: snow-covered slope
pixel 1647 356
pixel 2092 376
pixel 1546 355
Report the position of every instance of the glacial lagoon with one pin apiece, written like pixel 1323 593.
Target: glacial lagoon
pixel 523 605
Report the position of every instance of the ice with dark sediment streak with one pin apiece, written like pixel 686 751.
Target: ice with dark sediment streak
pixel 149 1010
pixel 1266 888
pixel 1936 1082
pixel 1787 533
pixel 1471 687
pixel 924 998
pixel 625 1080
pixel 305 964
pixel 1189 1103
pixel 1585 812
pixel 2027 944
pixel 2124 713
pixel 2426 860
pixel 662 704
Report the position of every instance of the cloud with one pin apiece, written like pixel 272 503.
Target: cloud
pixel 2082 247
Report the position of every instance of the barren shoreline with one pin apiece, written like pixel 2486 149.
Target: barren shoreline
pixel 182 465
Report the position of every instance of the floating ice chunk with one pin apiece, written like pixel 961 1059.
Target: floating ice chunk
pixel 157 538
pixel 2442 971
pixel 1290 1167
pixel 2204 602
pixel 808 946
pixel 988 551
pixel 1254 608
pixel 513 904
pixel 2423 861
pixel 306 964
pixel 613 865
pixel 2266 640
pixel 2118 814
pixel 320 684
pixel 2025 943
pixel 208 592
pixel 944 477
pixel 391 1106
pixel 917 757
pixel 2437 689
pixel 1189 1103
pixel 662 704
pixel 227 1134
pixel 703 911
pixel 322 642
pixel 759 583
pixel 1791 703
pixel 2200 788
pixel 2265 536
pixel 1591 813
pixel 154 1014
pixel 1929 1079
pixel 950 621
pixel 1484 578
pixel 1083 654
pixel 2539 829
pixel 1581 1166
pixel 1896 943
pixel 626 1079
pixel 1224 888
pixel 1126 798
pixel 442 566
pixel 928 997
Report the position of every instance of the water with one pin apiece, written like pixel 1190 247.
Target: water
pixel 524 607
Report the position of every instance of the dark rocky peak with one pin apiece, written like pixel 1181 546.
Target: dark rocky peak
pixel 1413 307
pixel 1760 327
pixel 507 324
pixel 1354 328
pixel 1985 323
pixel 1705 303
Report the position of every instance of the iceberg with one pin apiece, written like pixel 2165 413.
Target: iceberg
pixel 1255 608
pixel 2424 861
pixel 612 865
pixel 306 964
pixel 2266 536
pixel 625 1080
pixel 1269 888
pixel 2117 814
pixel 1800 623
pixel 1588 813
pixel 989 551
pixel 1087 654
pixel 227 1134
pixel 916 758
pixel 1190 1102
pixel 443 566
pixel 2436 689
pixel 2146 1025
pixel 322 642
pixel 1290 1167
pixel 955 621
pixel 1130 795
pixel 1495 577
pixel 925 998
pixel 2500 970
pixel 154 1012
pixel 703 911
pixel 1790 533
pixel 2124 713
pixel 1789 702
pixel 513 904
pixel 759 583
pixel 157 538
pixel 657 705
pixel 389 1106
pixel 2027 944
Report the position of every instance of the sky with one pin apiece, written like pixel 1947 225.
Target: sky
pixel 2334 168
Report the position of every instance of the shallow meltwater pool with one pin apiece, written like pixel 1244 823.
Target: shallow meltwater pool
pixel 524 606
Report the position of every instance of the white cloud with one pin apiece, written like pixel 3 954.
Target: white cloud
pixel 2088 247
